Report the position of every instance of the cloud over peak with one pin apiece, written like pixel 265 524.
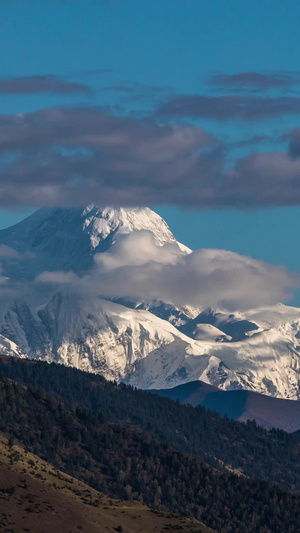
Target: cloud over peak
pixel 216 278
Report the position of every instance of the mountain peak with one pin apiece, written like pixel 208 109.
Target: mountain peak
pixel 67 238
pixel 101 222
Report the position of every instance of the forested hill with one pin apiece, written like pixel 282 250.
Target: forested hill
pixel 225 444
pixel 37 497
pixel 128 464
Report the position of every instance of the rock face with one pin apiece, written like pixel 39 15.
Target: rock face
pixel 147 344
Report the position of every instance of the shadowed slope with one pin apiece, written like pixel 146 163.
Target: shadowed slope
pixel 240 405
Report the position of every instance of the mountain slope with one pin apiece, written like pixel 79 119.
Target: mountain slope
pixel 93 334
pixel 225 444
pixel 36 497
pixel 267 361
pixel 147 351
pixel 240 405
pixel 127 463
pixel 126 338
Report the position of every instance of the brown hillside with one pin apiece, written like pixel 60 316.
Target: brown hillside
pixel 37 498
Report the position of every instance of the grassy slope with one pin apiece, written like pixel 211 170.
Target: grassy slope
pixel 36 497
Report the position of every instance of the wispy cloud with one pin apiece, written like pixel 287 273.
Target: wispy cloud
pixel 42 84
pixel 254 140
pixel 229 107
pixel 96 71
pixel 255 80
pixel 136 92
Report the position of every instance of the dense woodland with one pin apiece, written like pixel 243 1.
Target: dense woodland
pixel 271 455
pixel 129 464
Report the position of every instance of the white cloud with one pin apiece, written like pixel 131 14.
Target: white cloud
pixel 8 253
pixel 57 277
pixel 136 249
pixel 137 268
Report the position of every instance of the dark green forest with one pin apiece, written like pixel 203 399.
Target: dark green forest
pixel 270 455
pixel 129 464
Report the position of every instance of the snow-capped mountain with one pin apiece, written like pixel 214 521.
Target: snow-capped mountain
pixel 267 360
pixel 150 344
pixel 68 239
pixel 95 335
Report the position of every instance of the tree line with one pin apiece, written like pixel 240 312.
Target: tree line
pixel 221 442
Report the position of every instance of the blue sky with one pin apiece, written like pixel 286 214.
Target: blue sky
pixel 159 61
